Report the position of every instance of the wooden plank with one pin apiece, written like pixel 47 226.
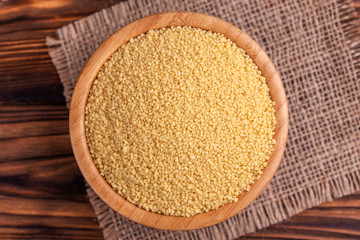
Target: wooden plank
pixel 19 221
pixel 30 147
pixel 29 113
pixel 43 207
pixel 32 129
pixel 34 21
pixel 51 178
pixel 42 193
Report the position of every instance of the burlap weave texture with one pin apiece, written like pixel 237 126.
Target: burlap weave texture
pixel 315 48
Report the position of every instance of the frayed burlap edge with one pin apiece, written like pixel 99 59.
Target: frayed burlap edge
pixel 58 57
pixel 286 207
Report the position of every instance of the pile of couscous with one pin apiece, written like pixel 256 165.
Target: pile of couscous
pixel 179 121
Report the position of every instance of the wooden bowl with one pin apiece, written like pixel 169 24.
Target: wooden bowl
pixel 90 71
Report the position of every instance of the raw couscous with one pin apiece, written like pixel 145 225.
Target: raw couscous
pixel 179 121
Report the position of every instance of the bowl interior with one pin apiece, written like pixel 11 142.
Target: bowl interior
pixel 89 73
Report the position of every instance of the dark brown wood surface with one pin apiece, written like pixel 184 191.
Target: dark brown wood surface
pixel 42 193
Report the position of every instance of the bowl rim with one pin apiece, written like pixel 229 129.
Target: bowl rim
pixel 89 73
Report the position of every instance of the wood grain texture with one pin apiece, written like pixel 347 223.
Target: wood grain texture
pixel 30 92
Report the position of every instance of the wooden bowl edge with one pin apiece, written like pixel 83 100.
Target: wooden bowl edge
pixel 82 154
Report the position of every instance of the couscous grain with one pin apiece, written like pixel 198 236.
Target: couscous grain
pixel 179 121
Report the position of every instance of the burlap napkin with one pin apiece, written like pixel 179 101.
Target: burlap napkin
pixel 314 46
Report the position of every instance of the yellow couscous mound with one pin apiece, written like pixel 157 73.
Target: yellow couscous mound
pixel 179 121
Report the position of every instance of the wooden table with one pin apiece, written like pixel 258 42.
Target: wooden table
pixel 42 193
